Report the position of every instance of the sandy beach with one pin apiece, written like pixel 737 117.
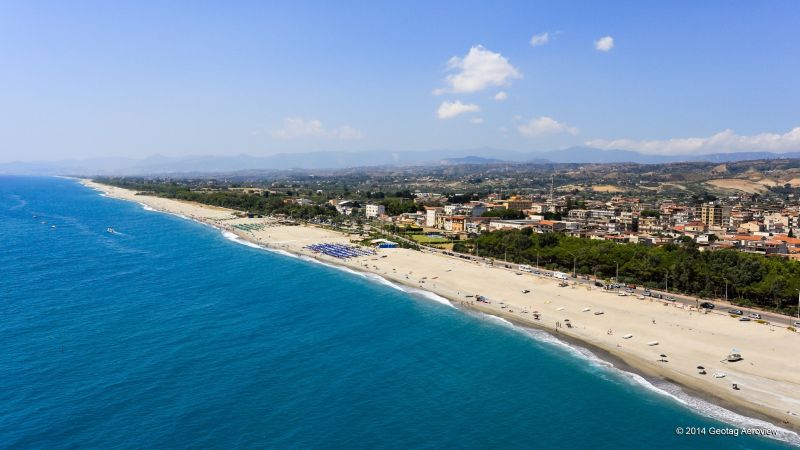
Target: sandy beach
pixel 625 327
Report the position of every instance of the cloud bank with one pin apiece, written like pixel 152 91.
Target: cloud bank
pixel 448 110
pixel 723 142
pixel 540 39
pixel 478 70
pixel 604 44
pixel 544 125
pixel 299 128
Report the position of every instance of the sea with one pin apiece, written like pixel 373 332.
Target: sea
pixel 171 334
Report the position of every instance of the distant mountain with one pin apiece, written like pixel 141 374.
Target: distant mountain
pixel 469 160
pixel 158 164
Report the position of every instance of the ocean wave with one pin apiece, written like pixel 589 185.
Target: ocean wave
pixel 239 240
pixel 386 282
pixel 660 387
pixel 145 207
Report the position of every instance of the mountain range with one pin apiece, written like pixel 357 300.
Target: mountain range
pixel 158 164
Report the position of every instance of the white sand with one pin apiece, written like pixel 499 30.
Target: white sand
pixel 769 375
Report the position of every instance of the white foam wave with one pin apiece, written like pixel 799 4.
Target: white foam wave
pixel 237 239
pixel 500 320
pixel 146 207
pixel 661 387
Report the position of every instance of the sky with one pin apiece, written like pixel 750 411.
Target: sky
pixel 131 79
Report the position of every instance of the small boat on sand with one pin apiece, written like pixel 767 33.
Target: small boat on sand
pixel 719 375
pixel 652 343
pixel 627 336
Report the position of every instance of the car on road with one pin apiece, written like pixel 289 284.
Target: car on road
pixel 707 305
pixel 737 312
pixel 647 293
pixel 797 324
pixel 670 299
pixel 598 283
pixel 744 319
pixel 755 315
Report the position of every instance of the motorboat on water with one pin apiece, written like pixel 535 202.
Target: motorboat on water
pixel 110 230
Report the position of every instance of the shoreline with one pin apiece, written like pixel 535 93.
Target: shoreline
pixel 620 358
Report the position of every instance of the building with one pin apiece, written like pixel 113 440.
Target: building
pixel 516 203
pixel 432 213
pixel 713 214
pixel 375 210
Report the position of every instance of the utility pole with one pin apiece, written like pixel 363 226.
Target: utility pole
pixel 537 259
pixel 726 290
pixel 616 279
pixel 574 266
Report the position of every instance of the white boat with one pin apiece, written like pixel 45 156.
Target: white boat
pixel 627 336
pixel 110 230
pixel 652 343
pixel 719 375
pixel 586 309
pixel 561 308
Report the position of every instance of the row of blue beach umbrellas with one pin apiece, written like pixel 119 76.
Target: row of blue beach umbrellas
pixel 340 250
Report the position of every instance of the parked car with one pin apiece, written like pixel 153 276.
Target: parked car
pixel 797 324
pixel 744 319
pixel 647 293
pixel 707 305
pixel 737 312
pixel 755 315
pixel 598 283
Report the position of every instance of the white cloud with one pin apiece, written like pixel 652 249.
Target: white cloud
pixel 540 126
pixel 299 128
pixel 540 39
pixel 722 142
pixel 448 110
pixel 476 120
pixel 476 71
pixel 604 44
pixel 500 96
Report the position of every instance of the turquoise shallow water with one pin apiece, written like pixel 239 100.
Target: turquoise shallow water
pixel 169 335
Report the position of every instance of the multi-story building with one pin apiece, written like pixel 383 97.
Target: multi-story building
pixel 431 215
pixel 374 210
pixel 713 214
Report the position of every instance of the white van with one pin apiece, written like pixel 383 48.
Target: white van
pixel 560 275
pixel 525 268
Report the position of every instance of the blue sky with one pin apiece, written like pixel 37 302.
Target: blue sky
pixel 86 79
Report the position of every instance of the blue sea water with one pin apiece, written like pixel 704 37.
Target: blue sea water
pixel 169 335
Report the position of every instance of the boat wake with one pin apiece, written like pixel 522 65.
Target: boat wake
pixel 607 370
